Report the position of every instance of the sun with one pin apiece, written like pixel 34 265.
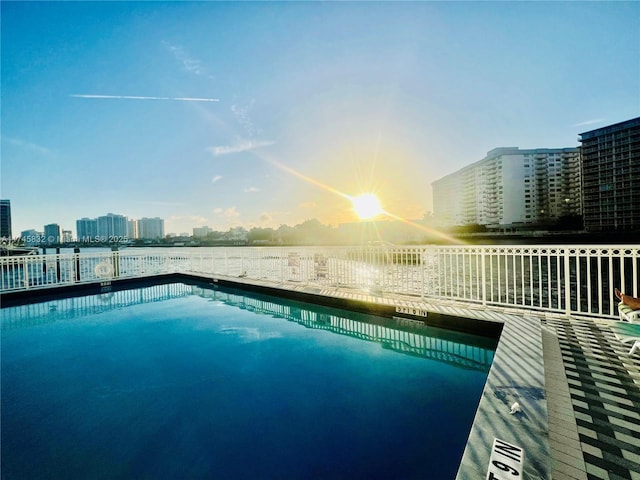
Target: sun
pixel 366 206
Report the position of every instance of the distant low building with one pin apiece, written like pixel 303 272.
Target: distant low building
pixel 238 235
pixel 32 238
pixel 611 177
pixel 200 232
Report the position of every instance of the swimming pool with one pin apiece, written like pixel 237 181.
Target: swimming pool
pixel 185 381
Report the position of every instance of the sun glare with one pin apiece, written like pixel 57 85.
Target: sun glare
pixel 366 206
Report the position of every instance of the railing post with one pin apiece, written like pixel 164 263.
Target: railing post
pixel 610 262
pixel 282 262
pixel 26 273
pixel 58 276
pixel 115 261
pixel 422 267
pixel 634 268
pixel 567 282
pixel 262 259
pixel 76 252
pixel 484 276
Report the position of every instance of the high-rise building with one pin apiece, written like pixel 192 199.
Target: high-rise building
pixel 132 229
pixel 611 177
pixel 151 228
pixel 87 229
pixel 111 226
pixel 52 234
pixel 511 188
pixel 5 219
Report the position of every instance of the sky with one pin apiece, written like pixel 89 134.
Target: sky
pixel 259 114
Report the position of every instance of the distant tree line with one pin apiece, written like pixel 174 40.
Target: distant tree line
pixel 313 232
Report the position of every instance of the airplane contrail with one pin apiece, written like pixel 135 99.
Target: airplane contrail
pixel 134 97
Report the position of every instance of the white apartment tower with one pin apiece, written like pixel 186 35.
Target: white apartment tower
pixel 150 228
pixel 510 188
pixel 111 225
pixel 132 229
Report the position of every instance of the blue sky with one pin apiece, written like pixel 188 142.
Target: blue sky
pixel 294 97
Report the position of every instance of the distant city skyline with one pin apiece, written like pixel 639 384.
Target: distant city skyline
pixel 226 114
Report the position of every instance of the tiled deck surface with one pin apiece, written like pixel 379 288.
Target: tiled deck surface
pixel 593 401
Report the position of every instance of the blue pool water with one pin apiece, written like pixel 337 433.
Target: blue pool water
pixel 178 381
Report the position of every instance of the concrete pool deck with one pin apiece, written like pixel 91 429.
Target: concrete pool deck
pixel 577 386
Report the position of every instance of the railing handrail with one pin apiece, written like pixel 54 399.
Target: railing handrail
pixel 569 279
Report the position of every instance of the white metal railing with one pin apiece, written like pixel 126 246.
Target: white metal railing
pixel 572 279
pixel 41 271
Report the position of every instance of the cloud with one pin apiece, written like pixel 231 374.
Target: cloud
pixel 308 205
pixel 162 203
pixel 242 146
pixel 216 178
pixel 271 218
pixel 266 218
pixel 197 219
pixel 137 97
pixel 251 190
pixel 228 213
pixel 30 146
pixel 189 63
pixel 241 113
pixel 589 122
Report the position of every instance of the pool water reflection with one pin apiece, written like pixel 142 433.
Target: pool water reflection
pixel 182 381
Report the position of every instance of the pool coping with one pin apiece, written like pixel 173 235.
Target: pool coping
pixel 517 373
